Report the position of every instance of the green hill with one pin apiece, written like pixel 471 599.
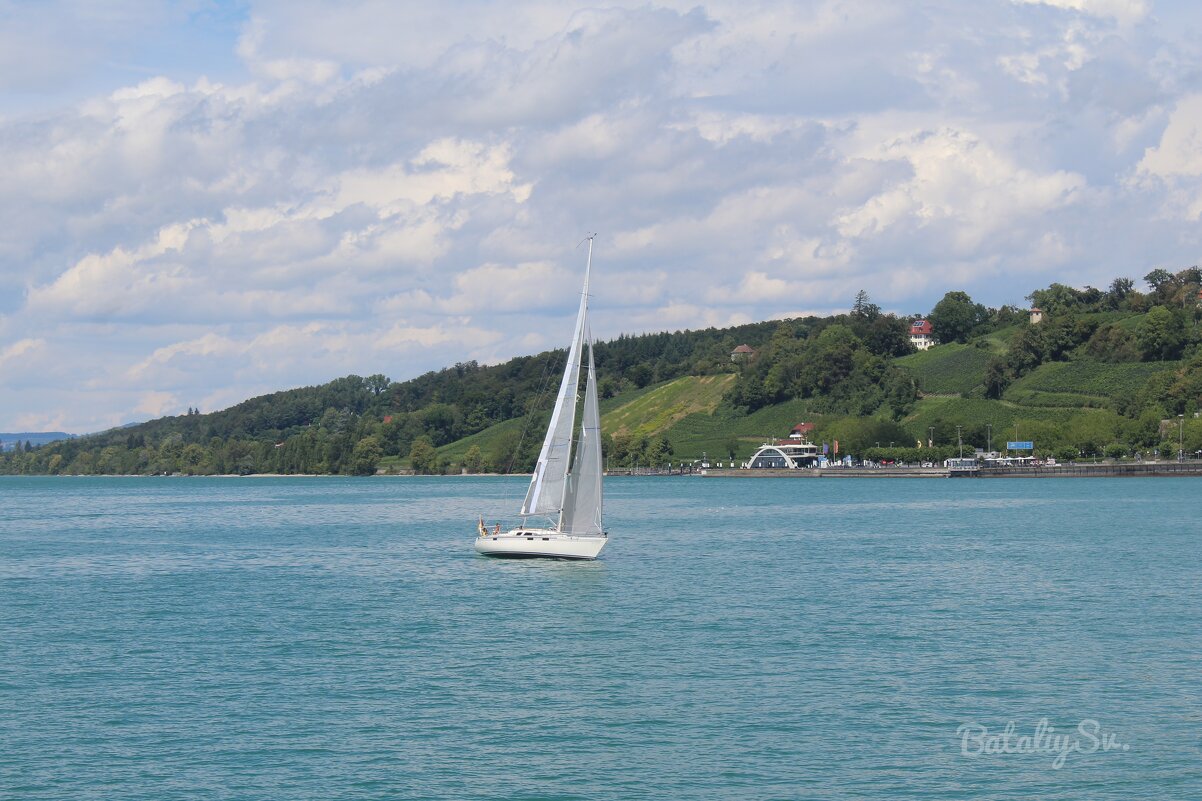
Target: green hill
pixel 1072 383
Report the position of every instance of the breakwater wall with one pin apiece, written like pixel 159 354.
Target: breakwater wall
pixel 1087 470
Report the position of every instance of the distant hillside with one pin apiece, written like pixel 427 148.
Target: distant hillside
pixel 9 441
pixel 1100 373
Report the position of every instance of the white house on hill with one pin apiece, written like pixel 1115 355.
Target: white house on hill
pixel 921 334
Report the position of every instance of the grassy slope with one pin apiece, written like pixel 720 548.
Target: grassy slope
pixel 978 411
pixel 1082 383
pixel 948 369
pixel 657 410
pixel 710 433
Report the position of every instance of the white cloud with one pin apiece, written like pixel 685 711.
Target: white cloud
pixel 157 404
pixel 1180 150
pixel 958 179
pixel 1123 11
pixel 22 354
pixel 386 187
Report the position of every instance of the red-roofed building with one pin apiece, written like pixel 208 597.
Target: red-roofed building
pixel 1036 315
pixel 743 353
pixel 801 430
pixel 921 334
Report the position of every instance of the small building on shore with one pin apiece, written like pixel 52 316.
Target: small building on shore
pixel 787 454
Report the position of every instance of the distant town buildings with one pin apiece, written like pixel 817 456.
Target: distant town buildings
pixel 921 334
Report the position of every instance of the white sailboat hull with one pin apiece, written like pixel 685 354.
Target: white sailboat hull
pixel 546 543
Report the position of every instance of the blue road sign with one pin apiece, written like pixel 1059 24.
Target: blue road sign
pixel 1020 446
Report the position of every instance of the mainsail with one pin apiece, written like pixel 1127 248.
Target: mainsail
pixel 548 486
pixel 582 501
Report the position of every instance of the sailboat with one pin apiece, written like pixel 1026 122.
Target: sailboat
pixel 566 495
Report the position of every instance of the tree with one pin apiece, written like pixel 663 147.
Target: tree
pixel 640 374
pixel 1112 343
pixel 997 378
pixel 1120 288
pixel 956 317
pixel 422 456
pixel 660 451
pixel 1059 299
pixel 191 458
pixel 377 384
pixel 732 447
pixel 365 457
pixel 473 460
pixel 888 336
pixel 1161 335
pixel 1158 279
pixel 864 308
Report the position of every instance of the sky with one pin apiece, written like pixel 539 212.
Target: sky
pixel 202 202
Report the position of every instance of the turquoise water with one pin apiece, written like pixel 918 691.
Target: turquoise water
pixel 305 638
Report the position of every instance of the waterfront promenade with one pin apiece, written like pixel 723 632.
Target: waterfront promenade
pixel 1071 470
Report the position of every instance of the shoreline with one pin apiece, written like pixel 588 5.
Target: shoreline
pixel 1073 470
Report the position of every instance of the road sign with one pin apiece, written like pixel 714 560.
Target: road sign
pixel 1020 446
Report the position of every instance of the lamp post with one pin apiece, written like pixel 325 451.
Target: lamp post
pixel 989 437
pixel 960 439
pixel 930 436
pixel 1181 438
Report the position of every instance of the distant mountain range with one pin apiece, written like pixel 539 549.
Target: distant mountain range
pixel 8 441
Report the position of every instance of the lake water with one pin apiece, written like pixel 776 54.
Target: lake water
pixel 321 638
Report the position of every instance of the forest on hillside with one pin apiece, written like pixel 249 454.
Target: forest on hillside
pixel 855 372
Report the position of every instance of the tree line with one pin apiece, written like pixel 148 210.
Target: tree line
pixel 843 366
